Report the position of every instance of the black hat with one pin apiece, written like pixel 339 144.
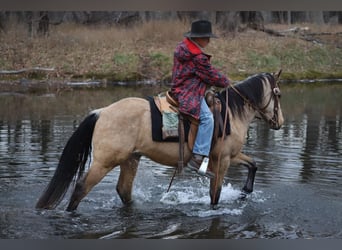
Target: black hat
pixel 201 28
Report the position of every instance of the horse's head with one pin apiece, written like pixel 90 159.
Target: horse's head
pixel 270 109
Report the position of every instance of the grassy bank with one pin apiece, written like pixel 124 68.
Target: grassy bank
pixel 145 52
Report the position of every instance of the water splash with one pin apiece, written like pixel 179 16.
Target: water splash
pixel 198 197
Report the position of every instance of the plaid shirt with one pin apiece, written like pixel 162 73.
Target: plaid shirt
pixel 191 74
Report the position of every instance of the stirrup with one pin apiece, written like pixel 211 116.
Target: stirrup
pixel 204 166
pixel 203 170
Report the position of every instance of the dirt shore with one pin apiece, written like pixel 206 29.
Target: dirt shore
pixel 105 55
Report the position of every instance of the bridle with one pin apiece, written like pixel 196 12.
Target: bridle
pixel 275 95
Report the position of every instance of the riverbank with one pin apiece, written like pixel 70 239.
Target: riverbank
pixel 75 53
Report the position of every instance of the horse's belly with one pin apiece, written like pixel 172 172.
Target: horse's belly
pixel 165 153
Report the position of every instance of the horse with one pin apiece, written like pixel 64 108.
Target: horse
pixel 120 134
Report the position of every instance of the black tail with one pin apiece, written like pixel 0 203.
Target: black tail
pixel 71 163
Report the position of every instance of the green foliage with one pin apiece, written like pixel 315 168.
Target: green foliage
pixel 160 65
pixel 159 59
pixel 126 66
pixel 263 62
pixel 125 59
pixel 312 60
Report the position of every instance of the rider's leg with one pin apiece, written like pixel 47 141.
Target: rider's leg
pixel 203 138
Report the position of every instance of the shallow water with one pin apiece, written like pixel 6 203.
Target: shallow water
pixel 297 188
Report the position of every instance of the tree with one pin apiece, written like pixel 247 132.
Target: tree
pixel 43 23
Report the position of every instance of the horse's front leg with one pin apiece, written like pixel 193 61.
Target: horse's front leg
pixel 220 169
pixel 242 159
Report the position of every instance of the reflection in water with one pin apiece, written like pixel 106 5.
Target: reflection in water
pixel 300 161
pixel 320 128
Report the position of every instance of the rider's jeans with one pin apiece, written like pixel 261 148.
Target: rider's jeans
pixel 205 131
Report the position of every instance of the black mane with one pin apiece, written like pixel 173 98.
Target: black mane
pixel 251 88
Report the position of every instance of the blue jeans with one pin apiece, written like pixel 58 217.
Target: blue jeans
pixel 205 131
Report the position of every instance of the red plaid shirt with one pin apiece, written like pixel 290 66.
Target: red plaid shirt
pixel 191 74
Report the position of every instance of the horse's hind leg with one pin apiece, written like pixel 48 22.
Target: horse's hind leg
pixel 95 174
pixel 128 170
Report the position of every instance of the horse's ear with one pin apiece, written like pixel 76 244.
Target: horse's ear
pixel 277 75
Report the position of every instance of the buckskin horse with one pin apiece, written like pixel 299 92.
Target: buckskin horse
pixel 119 134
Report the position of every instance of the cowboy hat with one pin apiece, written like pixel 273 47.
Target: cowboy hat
pixel 200 28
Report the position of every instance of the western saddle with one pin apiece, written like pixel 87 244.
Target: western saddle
pixel 166 103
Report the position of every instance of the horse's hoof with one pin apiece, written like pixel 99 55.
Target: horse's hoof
pixel 243 195
pixel 71 207
pixel 128 203
pixel 214 206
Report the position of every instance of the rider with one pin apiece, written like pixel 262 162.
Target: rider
pixel 192 74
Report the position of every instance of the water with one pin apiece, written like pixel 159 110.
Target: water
pixel 297 188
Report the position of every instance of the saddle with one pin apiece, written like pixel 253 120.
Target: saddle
pixel 173 121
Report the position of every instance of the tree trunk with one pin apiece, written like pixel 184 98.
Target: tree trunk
pixel 253 19
pixel 32 22
pixel 43 24
pixel 289 18
pixel 316 17
pixel 228 21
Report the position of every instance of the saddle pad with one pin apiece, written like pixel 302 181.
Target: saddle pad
pixel 157 123
pixel 170 124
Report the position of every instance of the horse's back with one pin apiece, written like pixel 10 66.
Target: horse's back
pixel 126 107
pixel 130 102
pixel 125 112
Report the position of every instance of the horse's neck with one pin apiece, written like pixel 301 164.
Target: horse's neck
pixel 241 123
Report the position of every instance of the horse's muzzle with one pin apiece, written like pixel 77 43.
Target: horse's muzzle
pixel 276 125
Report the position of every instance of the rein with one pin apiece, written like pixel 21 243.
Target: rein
pixel 222 139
